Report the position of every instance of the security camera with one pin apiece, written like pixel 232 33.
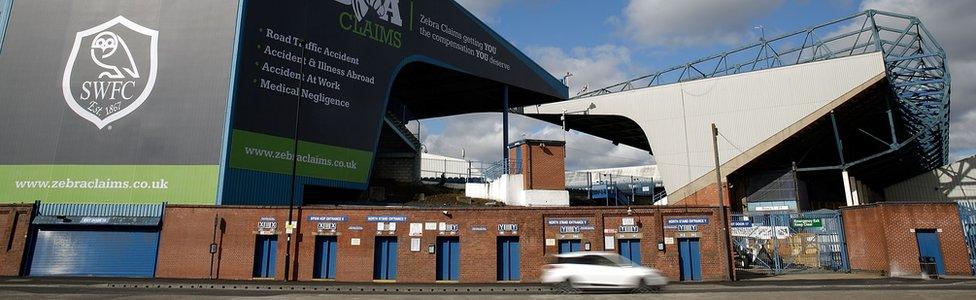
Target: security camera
pixel 445 212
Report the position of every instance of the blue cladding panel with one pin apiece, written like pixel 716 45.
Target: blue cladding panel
pixel 515 259
pixel 568 246
pixel 508 259
pixel 928 245
pixel 630 248
pixel 102 210
pixel 384 258
pixel 448 258
pixel 333 255
pixel 455 259
pixel 379 259
pixel 442 256
pixel 695 249
pixel 325 257
pixel 392 259
pixel 518 160
pixel 95 252
pixel 247 187
pixel 501 259
pixel 689 256
pixel 265 248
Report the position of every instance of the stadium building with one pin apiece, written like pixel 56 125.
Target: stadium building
pixel 245 139
pixel 823 117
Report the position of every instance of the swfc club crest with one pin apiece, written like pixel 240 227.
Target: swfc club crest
pixel 111 70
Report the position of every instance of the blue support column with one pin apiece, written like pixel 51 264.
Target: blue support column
pixel 505 128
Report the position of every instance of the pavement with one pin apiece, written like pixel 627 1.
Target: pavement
pixel 839 286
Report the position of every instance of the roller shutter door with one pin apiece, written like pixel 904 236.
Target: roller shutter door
pixel 99 251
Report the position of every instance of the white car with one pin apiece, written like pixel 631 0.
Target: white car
pixel 577 271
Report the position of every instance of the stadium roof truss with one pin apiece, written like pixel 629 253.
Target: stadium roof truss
pixel 915 67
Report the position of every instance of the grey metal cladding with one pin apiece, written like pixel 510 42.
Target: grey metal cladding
pixel 181 120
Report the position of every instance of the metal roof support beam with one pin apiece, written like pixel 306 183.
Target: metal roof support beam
pixel 874 137
pixel 837 140
pixel 891 122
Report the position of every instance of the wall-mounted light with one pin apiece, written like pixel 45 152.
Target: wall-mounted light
pixel 586 246
pixel 660 246
pixel 430 248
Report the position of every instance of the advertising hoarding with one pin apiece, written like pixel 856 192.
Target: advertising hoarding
pixel 321 72
pixel 114 101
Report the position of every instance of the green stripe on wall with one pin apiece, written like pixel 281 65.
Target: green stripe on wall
pixel 268 153
pixel 176 184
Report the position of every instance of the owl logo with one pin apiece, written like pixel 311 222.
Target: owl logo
pixel 105 51
pixel 103 79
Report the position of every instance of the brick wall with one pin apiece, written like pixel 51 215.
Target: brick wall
pixel 547 167
pixel 544 167
pixel 188 231
pixel 706 196
pixel 865 236
pixel 881 236
pixel 14 224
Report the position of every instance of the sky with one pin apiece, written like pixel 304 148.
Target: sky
pixel 610 41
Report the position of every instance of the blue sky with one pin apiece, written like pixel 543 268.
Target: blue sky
pixel 605 42
pixel 569 24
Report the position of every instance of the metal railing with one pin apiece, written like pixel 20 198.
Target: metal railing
pixel 615 189
pixel 781 242
pixel 454 171
pixel 460 171
pixel 967 215
pixel 915 64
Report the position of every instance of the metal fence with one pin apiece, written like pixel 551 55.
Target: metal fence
pixel 615 189
pixel 967 214
pixel 780 242
pixel 462 171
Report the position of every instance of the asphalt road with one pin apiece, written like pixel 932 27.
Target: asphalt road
pixel 752 295
pixel 886 289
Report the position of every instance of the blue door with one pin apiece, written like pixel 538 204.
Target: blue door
pixel 448 258
pixel 87 251
pixel 569 246
pixel 630 249
pixel 508 259
pixel 385 258
pixel 689 256
pixel 325 257
pixel 518 161
pixel 264 256
pixel 928 246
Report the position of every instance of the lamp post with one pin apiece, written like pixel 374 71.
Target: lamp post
pixel 721 201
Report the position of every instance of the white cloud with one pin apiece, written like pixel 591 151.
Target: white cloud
pixel 480 135
pixel 483 9
pixel 692 22
pixel 595 67
pixel 952 23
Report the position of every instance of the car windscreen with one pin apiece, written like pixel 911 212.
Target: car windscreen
pixel 597 260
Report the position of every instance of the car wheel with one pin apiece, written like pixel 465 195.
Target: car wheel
pixel 566 287
pixel 642 287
